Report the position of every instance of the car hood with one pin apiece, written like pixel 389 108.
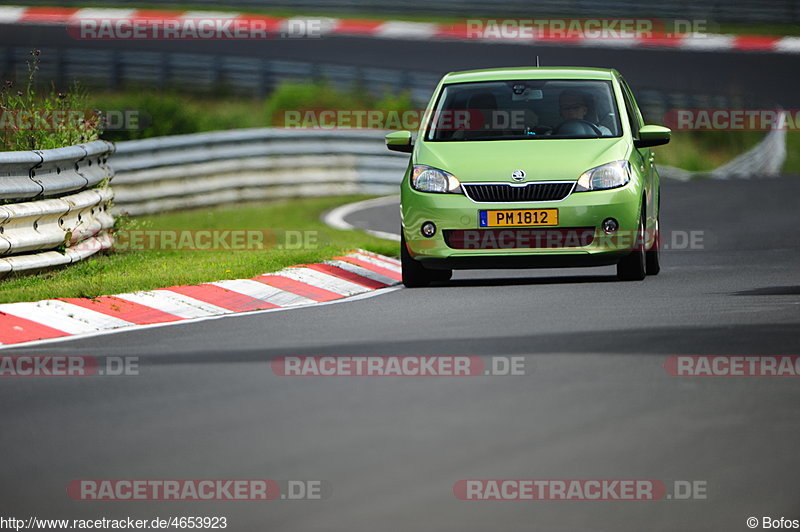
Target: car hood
pixel 540 159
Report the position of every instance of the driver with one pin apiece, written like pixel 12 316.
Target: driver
pixel 572 105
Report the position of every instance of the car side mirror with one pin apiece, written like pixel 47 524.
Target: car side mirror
pixel 400 141
pixel 652 136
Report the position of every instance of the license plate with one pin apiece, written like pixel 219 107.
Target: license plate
pixel 518 217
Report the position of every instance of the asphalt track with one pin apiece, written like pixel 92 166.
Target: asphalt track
pixel 597 402
pixel 741 77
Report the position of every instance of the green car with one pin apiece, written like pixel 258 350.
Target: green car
pixel 530 168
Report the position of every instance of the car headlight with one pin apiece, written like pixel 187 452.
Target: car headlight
pixel 611 175
pixel 429 179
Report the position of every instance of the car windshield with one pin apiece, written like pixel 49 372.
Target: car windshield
pixel 525 109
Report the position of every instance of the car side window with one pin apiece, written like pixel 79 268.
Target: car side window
pixel 633 116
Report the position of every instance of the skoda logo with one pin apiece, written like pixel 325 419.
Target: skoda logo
pixel 518 175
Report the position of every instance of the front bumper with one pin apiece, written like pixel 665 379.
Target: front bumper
pixel 579 214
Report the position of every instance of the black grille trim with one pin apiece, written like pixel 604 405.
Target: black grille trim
pixel 506 193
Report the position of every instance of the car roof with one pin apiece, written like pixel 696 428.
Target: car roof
pixel 504 74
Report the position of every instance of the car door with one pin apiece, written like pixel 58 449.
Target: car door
pixel 643 157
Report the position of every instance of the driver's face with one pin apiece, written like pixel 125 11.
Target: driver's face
pixel 572 109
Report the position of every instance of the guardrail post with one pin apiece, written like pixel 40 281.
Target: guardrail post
pixel 60 68
pixel 8 59
pixel 164 73
pixel 115 79
pixel 219 66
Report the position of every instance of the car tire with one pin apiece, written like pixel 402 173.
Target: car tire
pixel 634 267
pixel 652 262
pixel 414 274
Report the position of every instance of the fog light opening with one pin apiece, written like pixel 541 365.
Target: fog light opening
pixel 428 229
pixel 610 225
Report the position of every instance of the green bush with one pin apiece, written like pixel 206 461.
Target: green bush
pixel 295 96
pixel 306 96
pixel 172 114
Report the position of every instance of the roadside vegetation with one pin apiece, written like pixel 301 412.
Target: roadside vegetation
pixel 31 119
pixel 191 113
pixel 705 150
pixel 295 235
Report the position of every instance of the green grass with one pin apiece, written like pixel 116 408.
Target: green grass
pixel 758 29
pixel 705 150
pixel 125 271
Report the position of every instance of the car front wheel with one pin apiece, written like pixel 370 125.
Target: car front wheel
pixel 414 274
pixel 652 262
pixel 634 267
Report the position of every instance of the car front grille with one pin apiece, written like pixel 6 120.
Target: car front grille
pixel 504 193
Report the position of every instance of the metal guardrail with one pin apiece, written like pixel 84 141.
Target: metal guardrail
pixel 202 72
pixel 54 199
pixel 185 171
pixel 30 174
